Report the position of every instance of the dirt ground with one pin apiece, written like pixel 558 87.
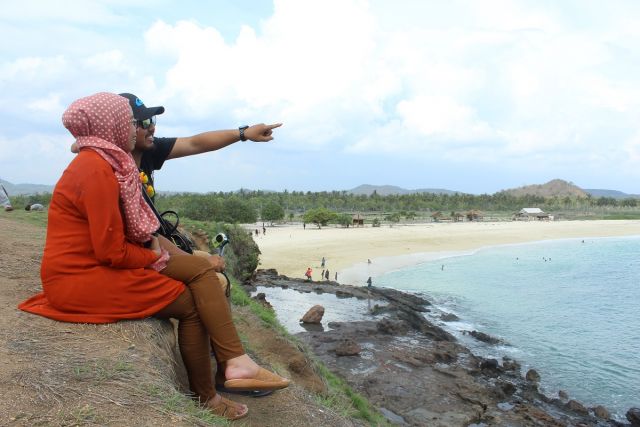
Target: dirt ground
pixel 54 373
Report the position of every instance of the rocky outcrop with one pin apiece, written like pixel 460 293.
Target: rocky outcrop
pixel 417 374
pixel 314 315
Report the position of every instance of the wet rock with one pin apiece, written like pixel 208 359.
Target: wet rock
pixel 510 365
pixel 533 376
pixel 633 415
pixel 577 407
pixel 261 298
pixel 420 324
pixel 449 317
pixel 348 347
pixel 314 315
pixel 601 412
pixel 563 395
pixel 481 336
pixel 390 327
pixel 508 388
pixel 489 364
pixel 343 294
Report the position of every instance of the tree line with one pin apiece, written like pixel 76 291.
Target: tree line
pixel 337 206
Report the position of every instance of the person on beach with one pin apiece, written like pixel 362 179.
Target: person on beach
pixel 326 275
pixel 102 263
pixel 4 199
pixel 369 282
pixel 307 274
pixel 322 262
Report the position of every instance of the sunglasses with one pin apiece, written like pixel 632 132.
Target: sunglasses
pixel 146 123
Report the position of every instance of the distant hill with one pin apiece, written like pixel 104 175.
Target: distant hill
pixel 386 190
pixel 611 193
pixel 18 189
pixel 556 187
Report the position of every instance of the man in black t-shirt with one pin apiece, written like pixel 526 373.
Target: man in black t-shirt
pixel 150 153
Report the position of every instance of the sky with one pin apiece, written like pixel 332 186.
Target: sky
pixel 472 96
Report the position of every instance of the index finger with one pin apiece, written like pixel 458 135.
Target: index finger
pixel 273 126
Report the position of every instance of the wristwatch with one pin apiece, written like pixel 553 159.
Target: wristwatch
pixel 242 129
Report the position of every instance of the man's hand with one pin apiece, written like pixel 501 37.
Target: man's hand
pixel 155 245
pixel 217 262
pixel 261 132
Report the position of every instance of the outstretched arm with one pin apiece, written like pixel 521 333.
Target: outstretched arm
pixel 215 140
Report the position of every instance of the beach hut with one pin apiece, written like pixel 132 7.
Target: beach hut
pixel 457 216
pixel 531 214
pixel 475 215
pixel 357 220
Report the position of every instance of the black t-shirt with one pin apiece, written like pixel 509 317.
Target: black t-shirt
pixel 153 160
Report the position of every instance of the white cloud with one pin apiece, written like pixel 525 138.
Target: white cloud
pixel 49 104
pixel 508 82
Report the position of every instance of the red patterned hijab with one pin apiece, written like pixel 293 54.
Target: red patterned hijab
pixel 101 122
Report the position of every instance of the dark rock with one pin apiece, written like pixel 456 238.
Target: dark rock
pixel 601 412
pixel 510 365
pixel 577 407
pixel 390 327
pixel 314 315
pixel 481 336
pixel 419 323
pixel 261 298
pixel 348 347
pixel 343 294
pixel 532 376
pixel 508 388
pixel 449 317
pixel 489 364
pixel 633 415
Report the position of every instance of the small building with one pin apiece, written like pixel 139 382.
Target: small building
pixel 531 214
pixel 357 220
pixel 475 215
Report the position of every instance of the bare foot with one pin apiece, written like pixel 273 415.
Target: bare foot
pixel 227 408
pixel 241 367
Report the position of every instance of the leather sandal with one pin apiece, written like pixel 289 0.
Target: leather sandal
pixel 227 409
pixel 264 380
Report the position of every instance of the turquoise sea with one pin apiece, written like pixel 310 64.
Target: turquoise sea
pixel 568 308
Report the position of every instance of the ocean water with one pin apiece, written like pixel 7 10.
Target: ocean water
pixel 568 308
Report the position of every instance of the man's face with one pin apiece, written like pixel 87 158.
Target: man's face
pixel 144 137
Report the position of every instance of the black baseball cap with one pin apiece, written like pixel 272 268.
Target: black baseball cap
pixel 140 111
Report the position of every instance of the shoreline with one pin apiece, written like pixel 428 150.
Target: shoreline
pixel 442 381
pixel 290 249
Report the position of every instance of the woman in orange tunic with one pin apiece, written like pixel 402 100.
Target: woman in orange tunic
pixel 96 268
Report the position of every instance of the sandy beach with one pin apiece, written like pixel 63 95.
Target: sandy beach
pixel 290 249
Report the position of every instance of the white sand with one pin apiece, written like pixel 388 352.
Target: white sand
pixel 291 249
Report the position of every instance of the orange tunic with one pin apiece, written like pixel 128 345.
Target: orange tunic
pixel 90 272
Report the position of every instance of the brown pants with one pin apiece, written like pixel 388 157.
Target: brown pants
pixel 204 316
